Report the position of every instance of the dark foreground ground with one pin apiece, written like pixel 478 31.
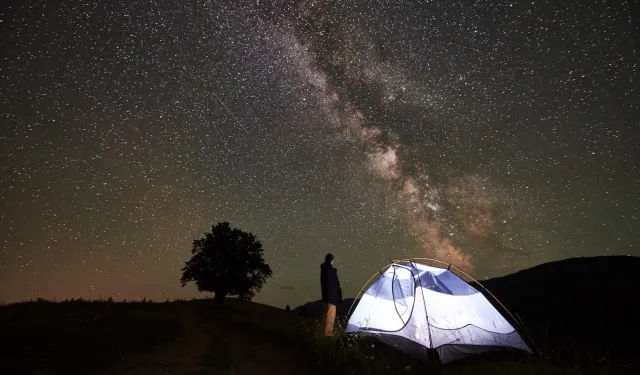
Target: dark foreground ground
pixel 196 338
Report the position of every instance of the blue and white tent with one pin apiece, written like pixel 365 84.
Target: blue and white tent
pixel 416 307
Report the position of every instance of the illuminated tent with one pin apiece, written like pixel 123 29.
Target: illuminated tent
pixel 415 307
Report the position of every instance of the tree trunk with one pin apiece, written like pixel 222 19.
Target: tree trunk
pixel 218 299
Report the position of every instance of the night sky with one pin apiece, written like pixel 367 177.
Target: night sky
pixel 496 135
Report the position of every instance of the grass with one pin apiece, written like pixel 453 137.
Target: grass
pixel 77 336
pixel 343 354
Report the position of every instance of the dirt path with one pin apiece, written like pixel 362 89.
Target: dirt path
pixel 254 354
pixel 185 355
pixel 206 349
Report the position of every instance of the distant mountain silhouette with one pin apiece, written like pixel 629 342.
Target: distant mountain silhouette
pixel 590 303
pixel 314 309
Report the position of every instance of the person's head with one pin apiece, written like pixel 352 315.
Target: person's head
pixel 328 258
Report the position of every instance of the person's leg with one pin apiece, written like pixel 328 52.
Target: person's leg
pixel 323 320
pixel 330 319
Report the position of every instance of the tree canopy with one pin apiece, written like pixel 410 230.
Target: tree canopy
pixel 228 262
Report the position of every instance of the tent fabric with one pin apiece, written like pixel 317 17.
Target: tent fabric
pixel 433 308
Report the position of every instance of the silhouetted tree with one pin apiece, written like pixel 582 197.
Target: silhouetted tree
pixel 287 308
pixel 227 262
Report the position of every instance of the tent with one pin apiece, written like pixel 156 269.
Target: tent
pixel 416 307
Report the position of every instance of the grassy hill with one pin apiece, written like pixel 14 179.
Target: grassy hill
pixel 195 337
pixel 75 337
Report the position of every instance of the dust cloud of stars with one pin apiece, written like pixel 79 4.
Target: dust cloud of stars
pixel 496 135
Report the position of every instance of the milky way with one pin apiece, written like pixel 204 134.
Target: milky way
pixel 490 135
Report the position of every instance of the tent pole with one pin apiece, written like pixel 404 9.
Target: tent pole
pixel 517 321
pixel 364 286
pixel 424 303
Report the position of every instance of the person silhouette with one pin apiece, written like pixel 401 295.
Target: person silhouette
pixel 331 294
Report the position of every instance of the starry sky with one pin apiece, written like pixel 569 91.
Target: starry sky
pixel 495 135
